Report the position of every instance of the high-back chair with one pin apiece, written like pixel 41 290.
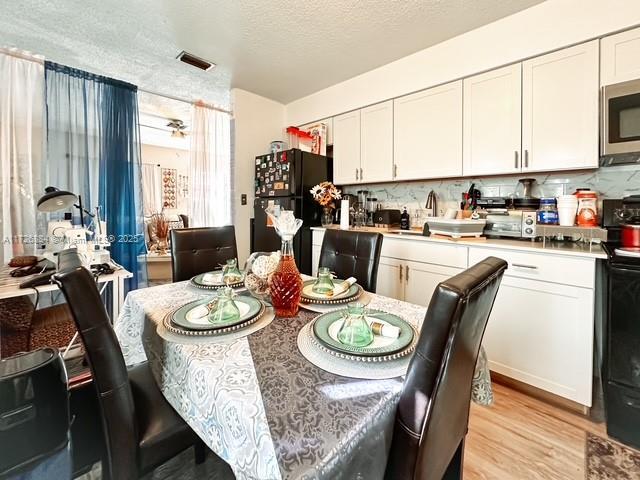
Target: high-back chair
pixel 200 250
pixel 352 254
pixel 433 413
pixel 141 430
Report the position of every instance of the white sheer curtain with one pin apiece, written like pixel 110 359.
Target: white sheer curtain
pixel 151 189
pixel 210 168
pixel 21 118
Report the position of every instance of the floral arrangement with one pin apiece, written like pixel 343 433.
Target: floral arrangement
pixel 160 229
pixel 325 194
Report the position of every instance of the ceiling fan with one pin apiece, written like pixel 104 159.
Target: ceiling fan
pixel 177 128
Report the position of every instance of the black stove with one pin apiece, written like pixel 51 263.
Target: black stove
pixel 621 345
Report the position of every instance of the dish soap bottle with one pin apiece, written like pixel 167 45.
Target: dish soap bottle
pixel 405 220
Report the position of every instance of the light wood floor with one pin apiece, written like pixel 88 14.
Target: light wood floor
pixel 519 438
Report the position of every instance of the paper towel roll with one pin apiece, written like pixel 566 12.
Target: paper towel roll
pixel 344 215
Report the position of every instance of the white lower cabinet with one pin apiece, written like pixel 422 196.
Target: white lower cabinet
pixel 421 280
pixel 390 279
pixel 413 282
pixel 540 331
pixel 542 334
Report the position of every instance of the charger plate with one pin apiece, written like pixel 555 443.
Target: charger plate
pixel 365 298
pixel 251 309
pixel 325 334
pixel 309 296
pixel 213 281
pixel 310 349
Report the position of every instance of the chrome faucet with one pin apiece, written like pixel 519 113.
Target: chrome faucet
pixel 432 203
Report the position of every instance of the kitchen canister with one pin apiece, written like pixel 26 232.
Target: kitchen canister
pixel 547 213
pixel 587 215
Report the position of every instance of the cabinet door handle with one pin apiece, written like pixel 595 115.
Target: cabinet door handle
pixel 515 154
pixel 407 273
pixel 526 159
pixel 522 265
pixel 361 175
pixel 356 173
pixel 400 273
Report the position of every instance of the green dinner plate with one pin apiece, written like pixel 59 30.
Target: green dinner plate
pixel 311 297
pixel 213 280
pixel 327 325
pixel 193 316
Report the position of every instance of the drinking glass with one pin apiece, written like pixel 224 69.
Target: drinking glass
pixel 224 309
pixel 355 329
pixel 231 273
pixel 324 283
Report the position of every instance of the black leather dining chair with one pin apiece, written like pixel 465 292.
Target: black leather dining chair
pixel 141 430
pixel 200 250
pixel 433 414
pixel 352 254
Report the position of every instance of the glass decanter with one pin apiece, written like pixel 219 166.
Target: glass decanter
pixel 223 309
pixel 324 283
pixel 355 330
pixel 286 282
pixel 231 273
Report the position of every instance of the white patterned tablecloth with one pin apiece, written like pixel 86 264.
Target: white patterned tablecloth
pixel 259 404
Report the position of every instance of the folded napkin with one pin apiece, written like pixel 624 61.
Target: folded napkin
pixel 212 278
pixel 384 329
pixel 342 287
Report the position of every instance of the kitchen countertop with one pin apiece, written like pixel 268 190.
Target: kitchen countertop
pixel 580 249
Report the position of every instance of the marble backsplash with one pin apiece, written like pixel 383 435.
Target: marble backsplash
pixel 610 182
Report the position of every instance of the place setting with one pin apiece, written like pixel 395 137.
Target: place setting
pixel 226 315
pixel 348 338
pixel 229 275
pixel 326 293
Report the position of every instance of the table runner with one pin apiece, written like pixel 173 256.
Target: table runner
pixel 258 403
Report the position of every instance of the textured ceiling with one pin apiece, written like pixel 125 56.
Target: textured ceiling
pixel 281 49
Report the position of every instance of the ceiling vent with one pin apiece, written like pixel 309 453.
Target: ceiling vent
pixel 197 62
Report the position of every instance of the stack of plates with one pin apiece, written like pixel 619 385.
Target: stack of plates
pixel 325 335
pixel 192 318
pixel 213 281
pixel 310 297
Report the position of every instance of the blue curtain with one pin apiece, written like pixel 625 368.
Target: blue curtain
pixel 93 149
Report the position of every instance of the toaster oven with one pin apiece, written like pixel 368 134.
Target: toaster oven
pixel 511 223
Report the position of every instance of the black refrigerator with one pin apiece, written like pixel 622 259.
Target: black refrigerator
pixel 284 179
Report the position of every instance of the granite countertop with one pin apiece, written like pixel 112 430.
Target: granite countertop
pixel 576 249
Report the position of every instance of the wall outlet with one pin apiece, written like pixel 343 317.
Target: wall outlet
pixel 243 199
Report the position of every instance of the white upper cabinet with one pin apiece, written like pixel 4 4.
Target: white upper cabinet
pixel 427 133
pixel 376 142
pixel 620 57
pixel 346 148
pixel 560 95
pixel 492 122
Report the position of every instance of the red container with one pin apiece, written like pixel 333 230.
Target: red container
pixel 630 235
pixel 587 208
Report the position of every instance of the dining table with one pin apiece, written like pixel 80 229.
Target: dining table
pixel 255 399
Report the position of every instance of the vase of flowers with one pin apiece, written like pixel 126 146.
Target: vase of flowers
pixel 325 194
pixel 160 228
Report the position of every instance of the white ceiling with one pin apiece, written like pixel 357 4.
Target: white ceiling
pixel 281 49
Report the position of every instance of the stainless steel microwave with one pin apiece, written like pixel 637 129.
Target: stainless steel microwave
pixel 621 123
